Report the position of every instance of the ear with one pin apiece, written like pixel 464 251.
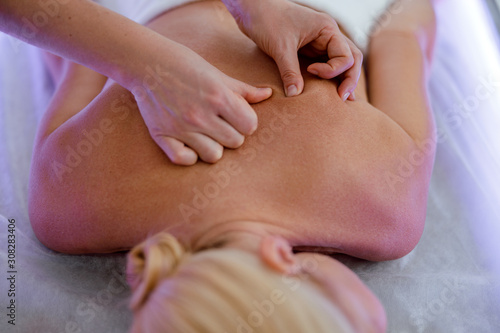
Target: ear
pixel 277 253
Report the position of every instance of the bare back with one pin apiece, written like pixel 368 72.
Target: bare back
pixel 316 165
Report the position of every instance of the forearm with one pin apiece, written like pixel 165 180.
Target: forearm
pixel 244 10
pixel 84 32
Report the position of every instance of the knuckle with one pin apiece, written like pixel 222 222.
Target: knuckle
pixel 193 117
pixel 247 123
pixel 235 141
pixel 359 56
pixel 177 157
pixel 217 101
pixel 171 128
pixel 328 21
pixel 288 75
pixel 331 28
pixel 349 61
pixel 356 53
pixel 282 53
pixel 213 155
pixel 181 156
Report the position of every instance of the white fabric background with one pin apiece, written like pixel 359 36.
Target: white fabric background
pixel 449 283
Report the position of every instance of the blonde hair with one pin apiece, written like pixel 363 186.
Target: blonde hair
pixel 222 290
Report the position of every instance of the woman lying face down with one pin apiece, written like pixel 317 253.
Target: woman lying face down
pixel 349 177
pixel 245 282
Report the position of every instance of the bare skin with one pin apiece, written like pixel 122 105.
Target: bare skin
pixel 317 172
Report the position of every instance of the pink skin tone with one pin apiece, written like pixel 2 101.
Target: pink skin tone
pixel 398 65
pixel 188 118
pixel 298 28
pixel 357 303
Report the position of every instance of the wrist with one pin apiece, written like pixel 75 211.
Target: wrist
pixel 145 60
pixel 248 13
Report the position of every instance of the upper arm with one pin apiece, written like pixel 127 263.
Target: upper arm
pixel 392 178
pixel 78 87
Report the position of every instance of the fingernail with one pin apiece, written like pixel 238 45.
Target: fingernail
pixel 292 91
pixel 346 96
pixel 267 90
pixel 313 71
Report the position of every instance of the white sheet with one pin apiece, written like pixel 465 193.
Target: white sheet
pixel 359 18
pixel 449 283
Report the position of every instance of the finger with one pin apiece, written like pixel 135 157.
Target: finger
pixel 352 96
pixel 222 132
pixel 207 148
pixel 340 55
pixel 351 76
pixel 237 112
pixel 176 151
pixel 254 95
pixel 288 64
pixel 216 127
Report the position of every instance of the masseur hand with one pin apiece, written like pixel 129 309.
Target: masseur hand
pixel 194 103
pixel 182 98
pixel 281 28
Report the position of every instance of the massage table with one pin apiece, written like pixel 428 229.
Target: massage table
pixel 449 283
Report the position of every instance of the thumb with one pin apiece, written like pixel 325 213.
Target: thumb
pixel 253 94
pixel 288 65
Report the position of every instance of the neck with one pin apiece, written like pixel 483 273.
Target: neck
pixel 216 232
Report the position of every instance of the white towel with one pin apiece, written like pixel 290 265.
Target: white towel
pixel 357 17
pixel 142 11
